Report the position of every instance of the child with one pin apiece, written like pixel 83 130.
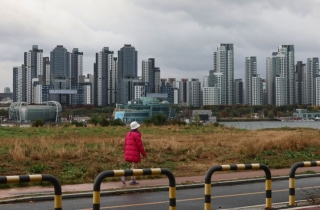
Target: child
pixel 133 147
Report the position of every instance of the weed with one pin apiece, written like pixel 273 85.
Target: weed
pixel 38 168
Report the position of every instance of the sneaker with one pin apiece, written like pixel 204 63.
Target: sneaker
pixel 133 182
pixel 123 180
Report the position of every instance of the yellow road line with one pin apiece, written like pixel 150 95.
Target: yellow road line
pixel 202 198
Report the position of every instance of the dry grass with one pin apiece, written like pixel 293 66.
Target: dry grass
pixel 76 156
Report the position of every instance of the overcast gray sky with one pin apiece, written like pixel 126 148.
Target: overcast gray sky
pixel 180 34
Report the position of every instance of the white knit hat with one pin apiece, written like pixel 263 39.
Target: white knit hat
pixel 134 125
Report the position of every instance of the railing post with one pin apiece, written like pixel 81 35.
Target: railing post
pixel 207 188
pixel 135 172
pixel 292 180
pixel 38 178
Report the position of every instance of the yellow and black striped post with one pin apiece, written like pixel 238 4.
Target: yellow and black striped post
pixel 38 178
pixel 292 179
pixel 135 172
pixel 207 187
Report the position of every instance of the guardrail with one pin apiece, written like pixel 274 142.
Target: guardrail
pixel 292 173
pixel 135 172
pixel 38 178
pixel 207 189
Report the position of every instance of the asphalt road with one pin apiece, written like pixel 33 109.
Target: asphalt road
pixel 223 197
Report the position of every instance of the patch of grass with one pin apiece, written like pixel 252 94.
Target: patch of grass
pixel 72 174
pixel 79 154
pixel 38 168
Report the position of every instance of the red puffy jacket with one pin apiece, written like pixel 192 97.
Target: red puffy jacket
pixel 133 147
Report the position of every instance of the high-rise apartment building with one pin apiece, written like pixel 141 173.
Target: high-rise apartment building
pixel 46 70
pixel 211 96
pixel 256 90
pixel 238 91
pixel 250 70
pixel 264 92
pixel 209 80
pixel 102 68
pixel 151 75
pixel 281 67
pixel 205 82
pixel 76 66
pixel 113 82
pixel 183 92
pixel 157 80
pixel 280 84
pixel 300 80
pixel 312 73
pixel 76 71
pixel 145 71
pixel 317 90
pixel 127 71
pixel 33 68
pixel 60 74
pixel 18 92
pixel 194 93
pixel 224 65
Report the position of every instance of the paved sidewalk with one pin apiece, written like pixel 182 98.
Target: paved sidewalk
pixel 16 193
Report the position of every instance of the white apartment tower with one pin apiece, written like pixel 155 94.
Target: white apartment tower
pixel 205 81
pixel 250 70
pixel 224 64
pixel 256 90
pixel 280 83
pixel 175 96
pixel 194 91
pixel 312 73
pixel 139 91
pixel 287 69
pixel 281 65
pixel 145 71
pixel 317 91
pixel 211 96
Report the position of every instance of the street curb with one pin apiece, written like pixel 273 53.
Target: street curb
pixel 38 197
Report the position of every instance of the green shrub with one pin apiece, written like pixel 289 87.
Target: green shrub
pixel 177 121
pixel 103 122
pixel 94 120
pixel 147 121
pixel 79 124
pixel 216 124
pixel 117 122
pixel 159 119
pixel 38 123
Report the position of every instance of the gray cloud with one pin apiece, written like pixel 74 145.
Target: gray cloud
pixel 182 35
